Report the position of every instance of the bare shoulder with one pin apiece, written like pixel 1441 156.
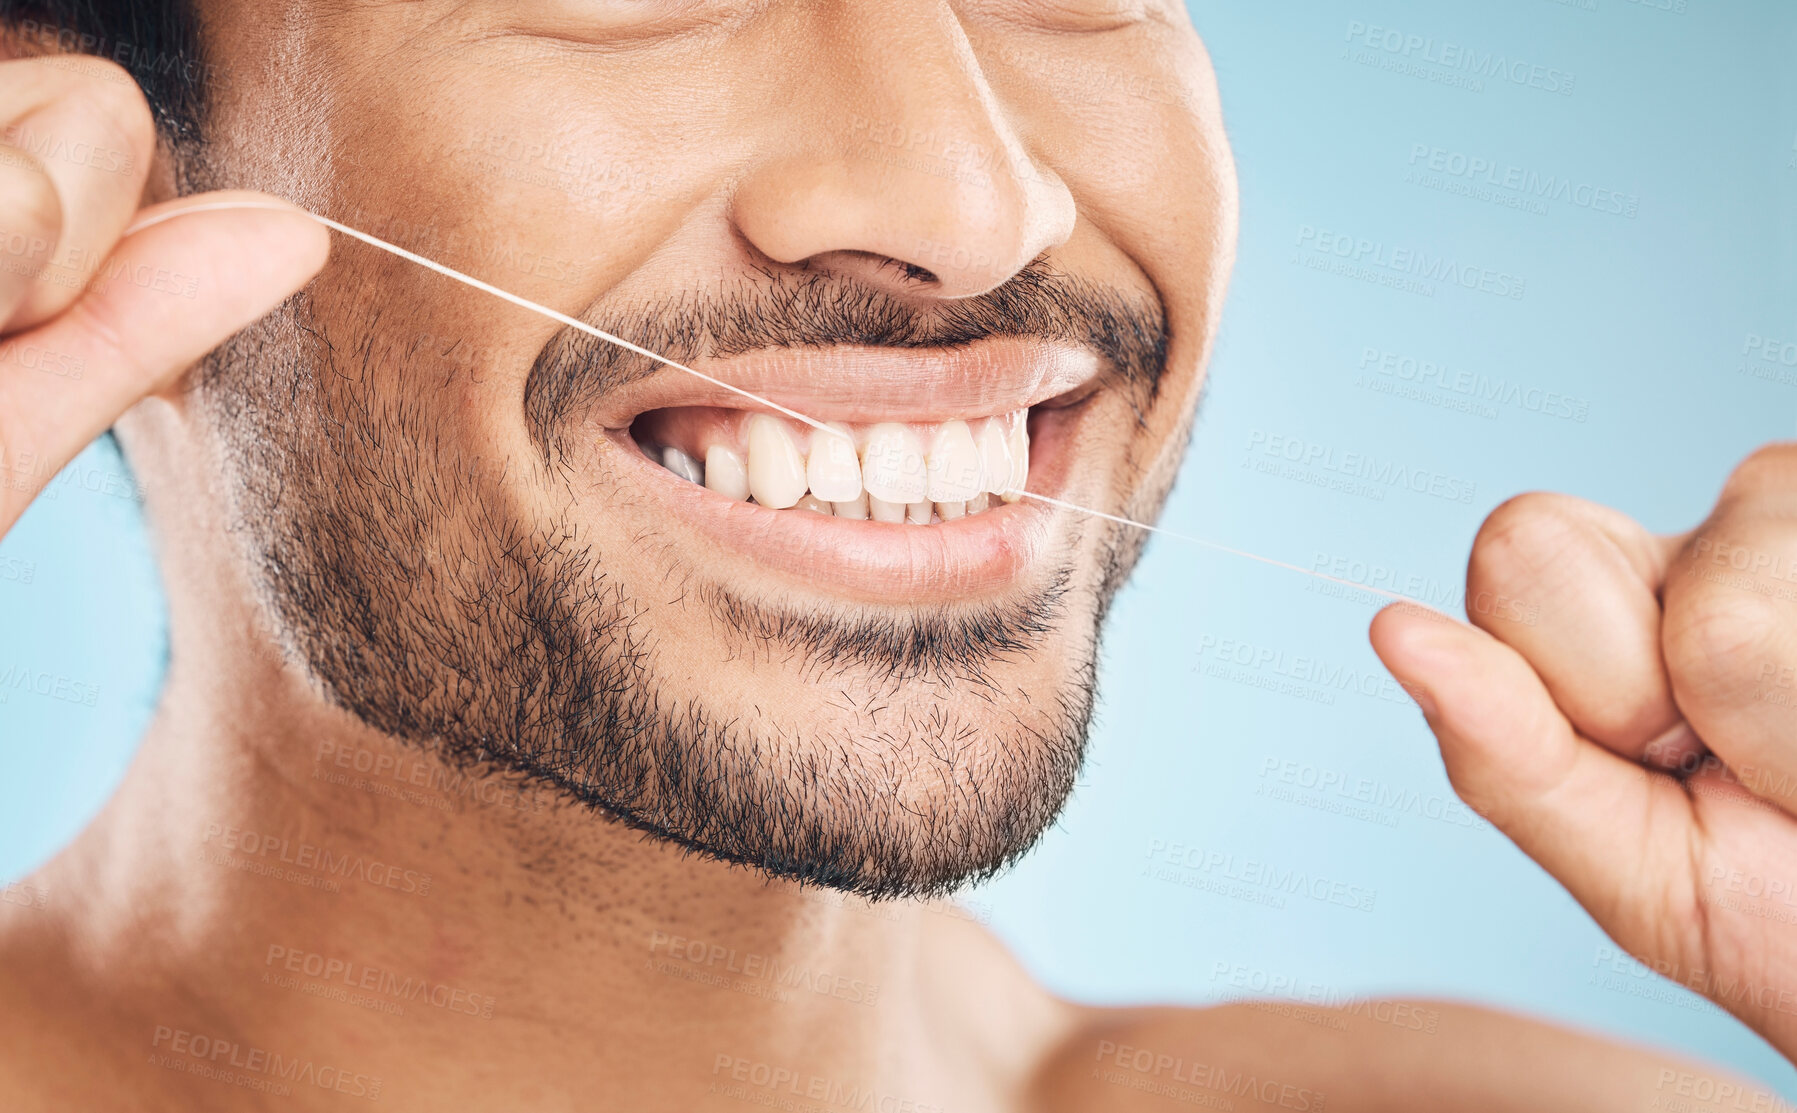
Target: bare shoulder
pixel 1375 1056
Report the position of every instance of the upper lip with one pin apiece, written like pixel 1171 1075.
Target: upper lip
pixel 854 383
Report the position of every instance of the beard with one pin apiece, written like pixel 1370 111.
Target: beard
pixel 394 574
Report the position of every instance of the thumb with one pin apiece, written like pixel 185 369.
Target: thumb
pixel 192 273
pixel 1616 835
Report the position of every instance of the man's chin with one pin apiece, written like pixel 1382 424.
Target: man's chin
pixel 918 807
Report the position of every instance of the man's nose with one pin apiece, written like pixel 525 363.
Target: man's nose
pixel 904 171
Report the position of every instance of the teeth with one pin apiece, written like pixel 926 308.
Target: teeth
pixel 856 509
pixel 682 465
pixel 833 470
pixel 954 472
pixel 892 463
pixel 995 455
pixel 967 467
pixel 776 470
pixel 725 473
pixel 1018 441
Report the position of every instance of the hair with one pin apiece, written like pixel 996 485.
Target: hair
pixel 156 40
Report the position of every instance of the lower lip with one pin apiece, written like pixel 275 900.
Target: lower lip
pixel 979 555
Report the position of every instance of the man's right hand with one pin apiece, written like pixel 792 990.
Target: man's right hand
pixel 92 319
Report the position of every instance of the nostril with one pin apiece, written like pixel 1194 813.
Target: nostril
pixel 873 267
pixel 915 273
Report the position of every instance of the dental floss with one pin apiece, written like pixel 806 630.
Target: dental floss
pixel 582 326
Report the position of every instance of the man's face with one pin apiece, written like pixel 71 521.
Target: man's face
pixel 946 226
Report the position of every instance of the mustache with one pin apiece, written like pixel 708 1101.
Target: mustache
pixel 1127 329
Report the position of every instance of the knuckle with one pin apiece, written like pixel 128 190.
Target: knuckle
pixel 118 106
pixel 1769 467
pixel 31 214
pixel 1525 540
pixel 1716 638
pixel 28 197
pixel 101 90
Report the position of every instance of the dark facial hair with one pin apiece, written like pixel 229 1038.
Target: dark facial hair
pixel 422 607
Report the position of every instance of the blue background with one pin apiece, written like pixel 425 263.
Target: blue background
pixel 1640 321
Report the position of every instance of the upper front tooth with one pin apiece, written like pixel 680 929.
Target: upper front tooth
pixel 833 470
pixel 725 473
pixel 995 456
pixel 954 464
pixel 776 469
pixel 892 463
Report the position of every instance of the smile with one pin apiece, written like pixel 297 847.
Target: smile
pixel 914 492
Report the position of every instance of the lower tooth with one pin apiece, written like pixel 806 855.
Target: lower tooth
pixel 918 513
pixel 884 511
pixel 856 510
pixel 816 506
pixel 978 503
pixel 949 511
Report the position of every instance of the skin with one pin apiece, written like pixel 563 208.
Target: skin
pixel 577 959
